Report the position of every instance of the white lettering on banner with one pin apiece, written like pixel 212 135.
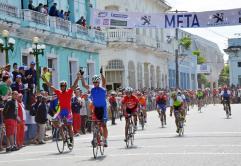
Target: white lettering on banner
pixel 166 20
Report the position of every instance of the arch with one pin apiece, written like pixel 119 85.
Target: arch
pixel 114 72
pixel 131 74
pixel 115 64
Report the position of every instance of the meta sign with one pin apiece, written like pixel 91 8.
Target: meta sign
pixel 166 20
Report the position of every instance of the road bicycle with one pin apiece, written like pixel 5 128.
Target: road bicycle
pixel 130 131
pixel 98 138
pixel 61 135
pixel 226 108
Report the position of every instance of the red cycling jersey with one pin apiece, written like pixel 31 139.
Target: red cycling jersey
pixel 64 98
pixel 130 102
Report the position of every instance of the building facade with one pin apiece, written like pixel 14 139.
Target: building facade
pixel 234 52
pixel 68 46
pixel 141 57
pixel 213 56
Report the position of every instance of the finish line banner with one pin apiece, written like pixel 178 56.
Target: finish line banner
pixel 166 20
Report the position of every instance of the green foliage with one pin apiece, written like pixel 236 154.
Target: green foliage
pixel 201 60
pixel 202 79
pixel 224 76
pixel 186 42
pixel 196 52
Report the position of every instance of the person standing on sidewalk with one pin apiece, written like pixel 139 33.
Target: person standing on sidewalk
pixel 41 120
pixel 21 122
pixel 83 113
pixel 76 106
pixel 113 107
pixel 10 112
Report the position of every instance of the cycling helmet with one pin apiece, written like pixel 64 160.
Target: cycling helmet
pixel 173 94
pixel 63 83
pixel 129 90
pixel 96 78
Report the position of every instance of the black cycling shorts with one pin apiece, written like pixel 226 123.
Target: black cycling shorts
pixel 99 113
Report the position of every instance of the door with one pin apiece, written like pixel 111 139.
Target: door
pixel 52 66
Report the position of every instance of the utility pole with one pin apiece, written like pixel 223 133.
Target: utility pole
pixel 177 51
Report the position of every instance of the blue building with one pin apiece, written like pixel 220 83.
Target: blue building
pixel 68 45
pixel 234 52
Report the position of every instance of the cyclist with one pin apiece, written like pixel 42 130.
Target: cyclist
pixel 64 97
pixel 199 97
pixel 161 104
pixel 130 104
pixel 225 97
pixel 176 103
pixel 142 102
pixel 98 97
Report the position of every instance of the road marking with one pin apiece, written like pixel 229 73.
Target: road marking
pixel 119 147
pixel 125 155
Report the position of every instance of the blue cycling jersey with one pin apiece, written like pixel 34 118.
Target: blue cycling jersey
pixel 98 96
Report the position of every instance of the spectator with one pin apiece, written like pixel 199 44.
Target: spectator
pixel 66 15
pixel 83 113
pixel 113 107
pixel 39 8
pixel 53 10
pixel 41 119
pixel 61 14
pixel 18 85
pixel 76 106
pixel 47 75
pixel 1 129
pixel 5 89
pixel 15 71
pixel 21 122
pixel 31 81
pixel 81 21
pixel 30 5
pixel 45 9
pixel 6 70
pixel 10 120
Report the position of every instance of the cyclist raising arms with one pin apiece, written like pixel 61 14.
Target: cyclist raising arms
pixel 64 96
pixel 130 105
pixel 98 96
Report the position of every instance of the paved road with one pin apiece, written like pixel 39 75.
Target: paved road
pixel 210 139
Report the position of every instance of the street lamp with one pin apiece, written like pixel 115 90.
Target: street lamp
pixel 37 50
pixel 6 44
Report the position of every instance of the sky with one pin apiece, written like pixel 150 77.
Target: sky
pixel 218 35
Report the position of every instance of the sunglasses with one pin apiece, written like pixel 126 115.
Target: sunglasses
pixel 95 82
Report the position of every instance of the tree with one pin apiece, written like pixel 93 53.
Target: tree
pixel 185 42
pixel 224 76
pixel 200 59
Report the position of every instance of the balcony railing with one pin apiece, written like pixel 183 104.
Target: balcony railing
pixel 124 35
pixel 36 17
pixel 81 30
pixel 7 11
pixel 100 35
pixel 63 24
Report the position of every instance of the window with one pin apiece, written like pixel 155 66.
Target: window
pixel 239 64
pixel 50 63
pixel 25 60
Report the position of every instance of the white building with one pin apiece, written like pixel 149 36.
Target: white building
pixel 135 57
pixel 213 55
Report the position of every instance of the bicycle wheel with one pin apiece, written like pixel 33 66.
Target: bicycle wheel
pixel 102 147
pixel 131 133
pixel 95 144
pixel 59 140
pixel 68 142
pixel 128 137
pixel 142 122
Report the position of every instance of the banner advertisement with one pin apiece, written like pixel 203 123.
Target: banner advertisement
pixel 166 20
pixel 203 69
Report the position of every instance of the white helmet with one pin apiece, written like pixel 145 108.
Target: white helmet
pixel 96 78
pixel 129 90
